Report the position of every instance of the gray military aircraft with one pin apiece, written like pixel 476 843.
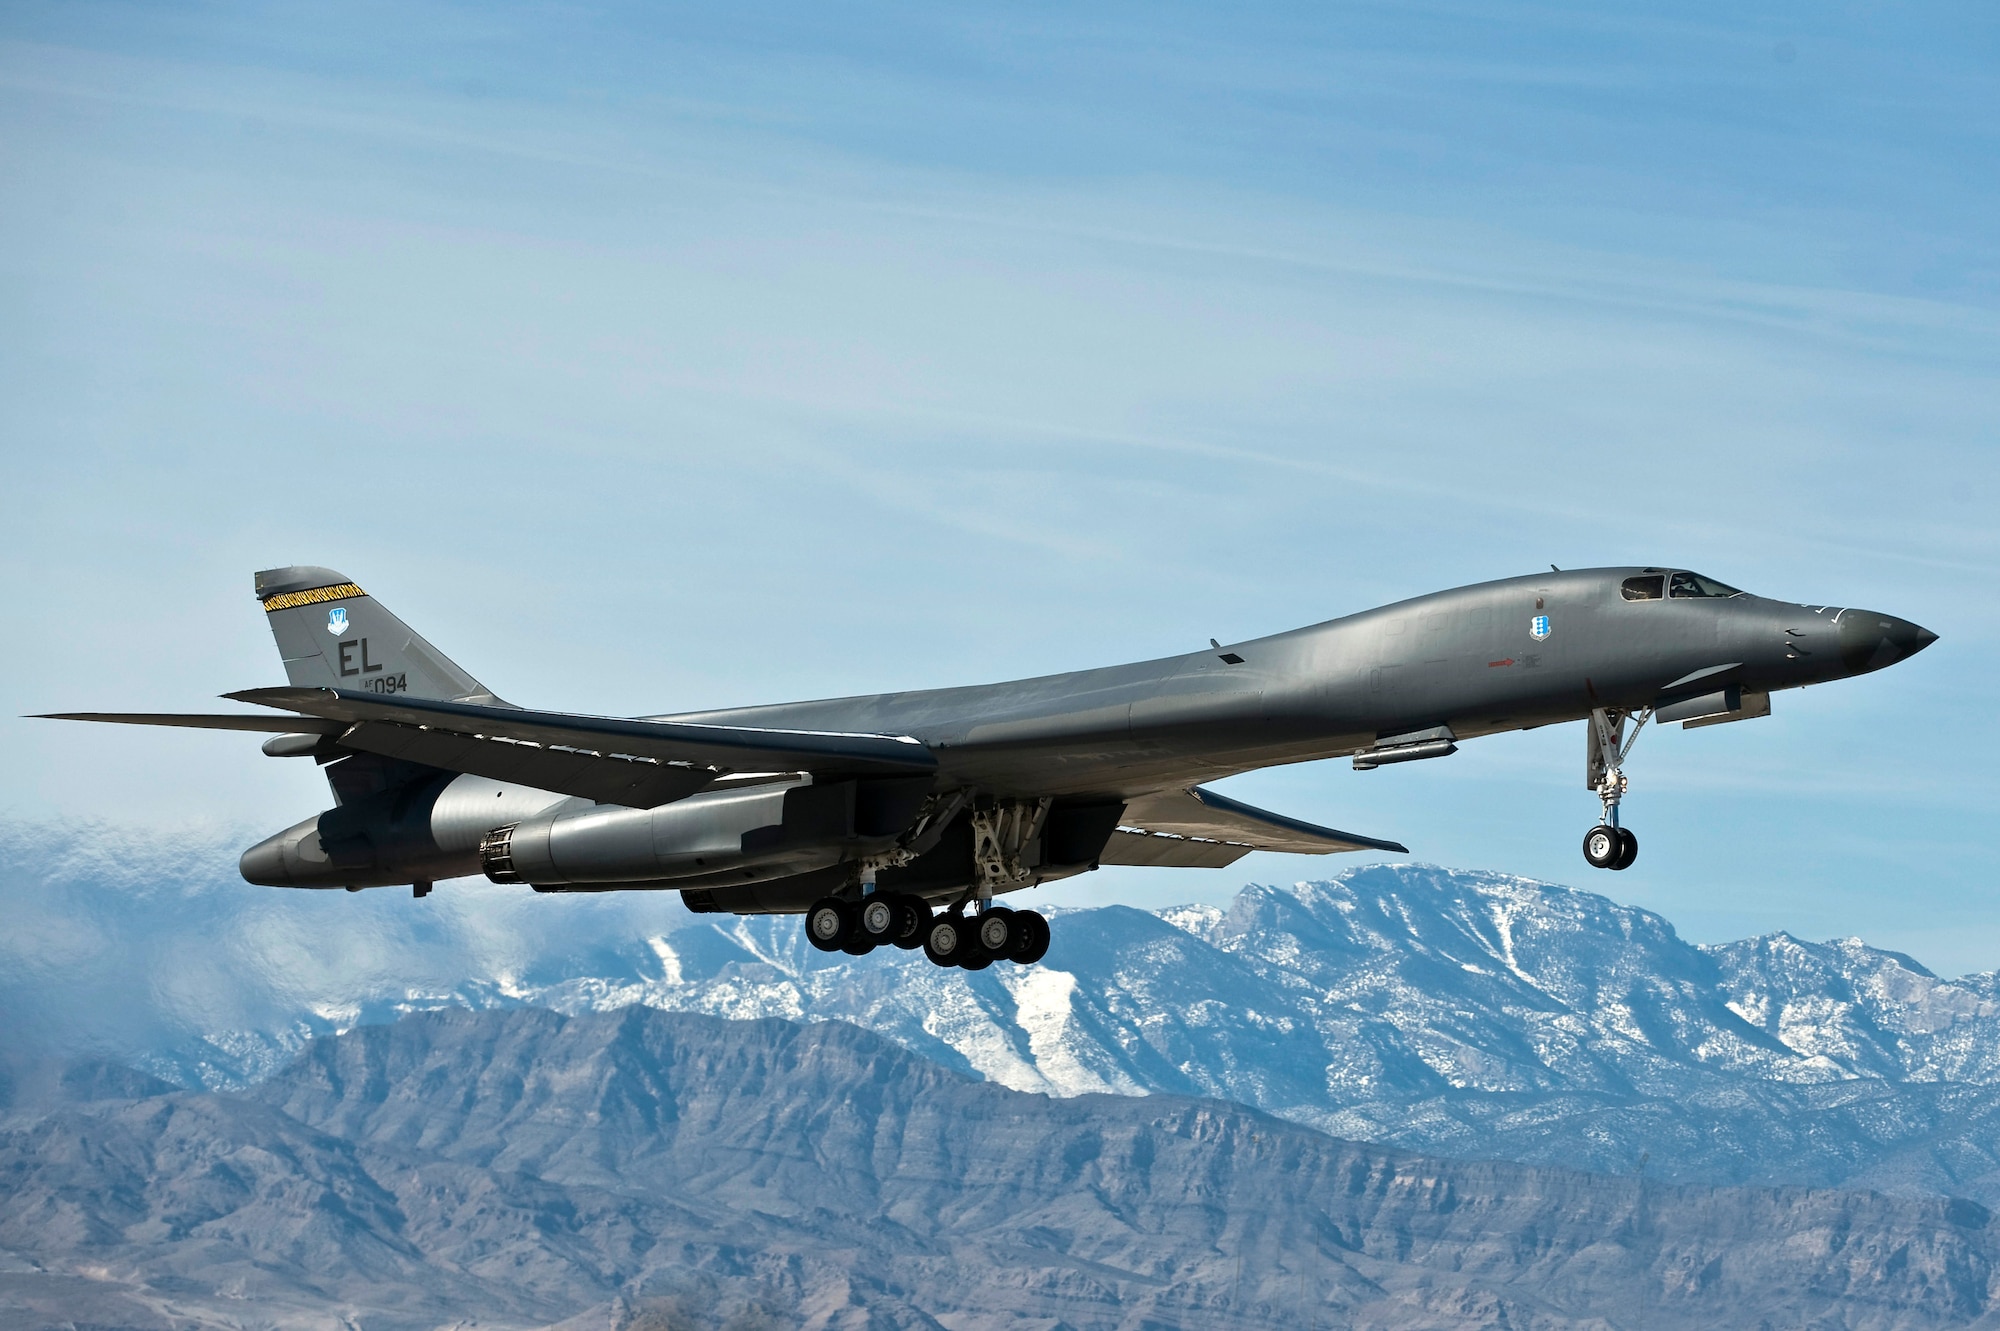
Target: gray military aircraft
pixel 897 818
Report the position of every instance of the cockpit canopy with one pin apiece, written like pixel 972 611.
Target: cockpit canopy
pixel 1656 583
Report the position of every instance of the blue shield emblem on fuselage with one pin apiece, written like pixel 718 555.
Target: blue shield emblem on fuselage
pixel 336 620
pixel 1538 628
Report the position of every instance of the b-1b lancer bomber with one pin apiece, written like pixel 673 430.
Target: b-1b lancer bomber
pixel 898 818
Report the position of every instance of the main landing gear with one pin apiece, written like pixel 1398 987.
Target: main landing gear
pixel 1609 846
pixel 975 942
pixel 971 939
pixel 955 938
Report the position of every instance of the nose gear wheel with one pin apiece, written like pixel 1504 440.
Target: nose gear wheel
pixel 1631 850
pixel 1608 847
pixel 1602 846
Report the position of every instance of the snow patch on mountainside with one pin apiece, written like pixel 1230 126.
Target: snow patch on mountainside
pixel 1444 1010
pixel 1449 1011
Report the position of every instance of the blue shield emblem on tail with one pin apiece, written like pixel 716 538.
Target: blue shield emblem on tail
pixel 1538 627
pixel 336 621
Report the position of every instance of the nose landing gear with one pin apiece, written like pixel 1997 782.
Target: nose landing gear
pixel 1609 846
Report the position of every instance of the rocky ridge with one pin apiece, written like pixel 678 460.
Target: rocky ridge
pixel 1456 1013
pixel 645 1169
pixel 1467 1014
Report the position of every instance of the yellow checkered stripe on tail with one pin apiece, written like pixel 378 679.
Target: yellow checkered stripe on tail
pixel 286 600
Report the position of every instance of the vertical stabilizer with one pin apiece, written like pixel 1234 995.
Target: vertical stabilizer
pixel 334 635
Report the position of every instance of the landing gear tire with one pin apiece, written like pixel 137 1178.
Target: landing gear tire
pixel 830 924
pixel 949 940
pixel 879 915
pixel 1628 849
pixel 995 931
pixel 1603 846
pixel 912 923
pixel 1031 938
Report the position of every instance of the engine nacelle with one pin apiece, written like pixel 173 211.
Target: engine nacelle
pixel 422 831
pixel 446 826
pixel 728 836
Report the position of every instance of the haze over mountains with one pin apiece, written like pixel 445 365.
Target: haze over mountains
pixel 1460 1014
pixel 641 1168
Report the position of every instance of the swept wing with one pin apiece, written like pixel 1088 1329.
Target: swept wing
pixel 640 764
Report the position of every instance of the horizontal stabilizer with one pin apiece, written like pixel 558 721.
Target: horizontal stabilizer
pixel 271 725
pixel 1197 828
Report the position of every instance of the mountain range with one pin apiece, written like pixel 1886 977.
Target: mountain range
pixel 639 1170
pixel 1454 1013
pixel 1464 1014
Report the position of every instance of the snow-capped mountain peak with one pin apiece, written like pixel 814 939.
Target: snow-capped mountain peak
pixel 1451 1011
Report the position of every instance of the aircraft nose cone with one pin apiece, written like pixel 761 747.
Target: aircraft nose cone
pixel 1870 641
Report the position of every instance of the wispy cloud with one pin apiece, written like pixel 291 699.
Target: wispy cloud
pixel 660 358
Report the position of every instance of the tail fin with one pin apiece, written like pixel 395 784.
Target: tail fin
pixel 334 635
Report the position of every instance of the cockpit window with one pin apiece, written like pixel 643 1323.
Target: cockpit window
pixel 1644 589
pixel 1693 584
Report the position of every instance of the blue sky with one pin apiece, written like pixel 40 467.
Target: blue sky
pixel 675 357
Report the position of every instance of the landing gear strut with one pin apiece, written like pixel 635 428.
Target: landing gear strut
pixel 1609 846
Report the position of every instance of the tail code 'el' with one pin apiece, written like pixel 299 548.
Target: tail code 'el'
pixel 334 635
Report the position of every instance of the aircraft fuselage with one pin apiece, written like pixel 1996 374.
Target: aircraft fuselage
pixel 867 812
pixel 1467 659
